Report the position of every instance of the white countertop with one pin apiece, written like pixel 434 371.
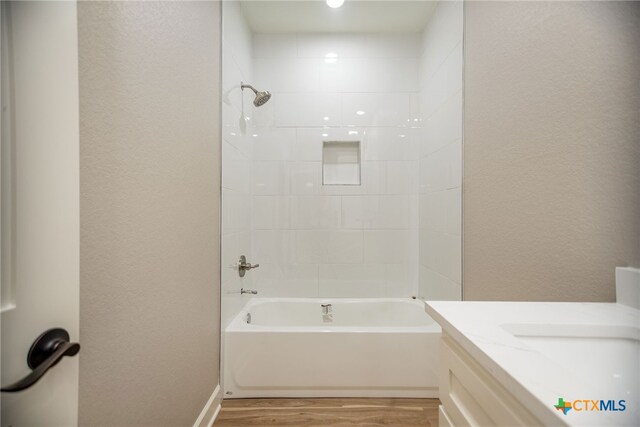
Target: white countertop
pixel 486 331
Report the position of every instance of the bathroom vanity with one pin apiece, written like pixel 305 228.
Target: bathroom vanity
pixel 538 363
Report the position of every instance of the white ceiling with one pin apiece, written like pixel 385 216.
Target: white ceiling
pixel 355 16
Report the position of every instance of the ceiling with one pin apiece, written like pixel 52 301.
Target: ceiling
pixel 355 16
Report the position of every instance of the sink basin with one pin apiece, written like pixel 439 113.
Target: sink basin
pixel 607 355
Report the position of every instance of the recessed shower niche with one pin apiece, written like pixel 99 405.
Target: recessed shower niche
pixel 341 163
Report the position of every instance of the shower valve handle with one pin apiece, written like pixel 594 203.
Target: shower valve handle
pixel 243 266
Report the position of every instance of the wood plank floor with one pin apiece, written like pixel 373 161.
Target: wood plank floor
pixel 329 412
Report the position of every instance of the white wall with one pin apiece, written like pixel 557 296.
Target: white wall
pixel 335 241
pixel 440 151
pixel 236 154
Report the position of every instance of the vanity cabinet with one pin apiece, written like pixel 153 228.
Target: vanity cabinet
pixel 470 396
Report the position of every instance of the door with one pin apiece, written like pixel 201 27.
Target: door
pixel 39 173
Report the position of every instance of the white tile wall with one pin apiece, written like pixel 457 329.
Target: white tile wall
pixel 400 96
pixel 386 246
pixel 402 177
pixel 237 164
pixel 270 178
pixel 306 178
pixel 274 46
pixel 307 110
pixel 358 45
pixel 376 109
pixel 306 147
pixel 315 212
pixel 342 240
pixel 440 151
pixel 352 280
pixel 392 143
pixel 275 143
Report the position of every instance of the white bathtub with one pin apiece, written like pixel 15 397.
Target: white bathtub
pixel 382 347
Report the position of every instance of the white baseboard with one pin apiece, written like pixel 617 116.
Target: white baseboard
pixel 210 410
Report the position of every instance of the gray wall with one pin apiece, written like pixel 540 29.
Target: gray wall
pixel 552 149
pixel 149 158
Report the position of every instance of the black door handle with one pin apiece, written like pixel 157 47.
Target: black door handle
pixel 45 352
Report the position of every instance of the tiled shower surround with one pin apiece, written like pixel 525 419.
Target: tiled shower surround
pixel 441 155
pixel 336 240
pixel 315 240
pixel 236 158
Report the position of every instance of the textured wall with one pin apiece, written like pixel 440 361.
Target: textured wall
pixel 149 136
pixel 552 149
pixel 440 151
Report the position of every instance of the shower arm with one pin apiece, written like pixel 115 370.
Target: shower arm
pixel 243 86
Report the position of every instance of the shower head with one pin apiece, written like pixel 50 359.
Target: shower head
pixel 261 97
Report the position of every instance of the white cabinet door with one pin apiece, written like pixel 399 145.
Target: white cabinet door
pixel 40 204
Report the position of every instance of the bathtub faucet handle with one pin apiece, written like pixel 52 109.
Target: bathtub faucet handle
pixel 326 309
pixel 248 291
pixel 243 265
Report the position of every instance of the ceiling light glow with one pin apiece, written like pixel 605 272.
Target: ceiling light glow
pixel 334 4
pixel 331 58
pixel 360 113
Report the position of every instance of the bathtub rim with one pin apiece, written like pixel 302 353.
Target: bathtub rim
pixel 239 325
